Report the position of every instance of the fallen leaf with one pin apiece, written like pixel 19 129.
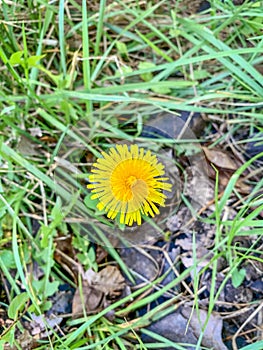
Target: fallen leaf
pixel 88 299
pixel 199 187
pixel 185 326
pixel 39 323
pixel 109 280
pixel 98 290
pixel 212 337
pixel 24 340
pixel 27 147
pixel 221 159
pixel 172 327
pixel 226 164
pixel 145 267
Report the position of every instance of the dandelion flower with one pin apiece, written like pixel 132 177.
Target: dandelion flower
pixel 128 181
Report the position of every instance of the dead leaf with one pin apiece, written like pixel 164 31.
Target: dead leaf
pixel 86 298
pixel 174 328
pixel 226 164
pixel 39 323
pixel 101 254
pixel 242 187
pixel 109 280
pixel 24 340
pixel 185 326
pixel 198 186
pixel 221 159
pixel 212 337
pixel 48 139
pixel 27 147
pixel 98 290
pixel 187 258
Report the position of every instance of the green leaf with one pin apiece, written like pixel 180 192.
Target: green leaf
pixel 8 338
pixel 8 259
pixel 81 243
pixel 87 258
pixel 56 213
pixel 145 65
pixel 32 61
pixel 161 90
pixel 91 203
pixel 45 289
pixel 16 58
pixel 200 74
pixel 17 304
pixel 46 305
pixel 175 32
pixel 125 70
pixel 51 288
pixel 122 48
pixel 44 256
pixel 92 255
pixel 238 277
pixel 46 232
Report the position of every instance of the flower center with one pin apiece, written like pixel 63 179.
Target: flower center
pixel 138 189
pixel 131 181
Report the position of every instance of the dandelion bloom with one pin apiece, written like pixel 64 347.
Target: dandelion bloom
pixel 128 181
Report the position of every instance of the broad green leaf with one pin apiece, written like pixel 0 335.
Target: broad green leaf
pixel 122 48
pixel 7 258
pixel 32 61
pixel 161 90
pixel 238 277
pixel 16 58
pixel 17 305
pixel 90 203
pixel 145 65
pixel 45 289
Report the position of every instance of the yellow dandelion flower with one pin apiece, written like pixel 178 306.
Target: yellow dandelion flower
pixel 128 181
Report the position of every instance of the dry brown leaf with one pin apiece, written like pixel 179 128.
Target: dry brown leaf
pixel 198 187
pixel 226 164
pixel 27 147
pixel 221 159
pixel 37 329
pixel 242 187
pixel 87 299
pixel 98 290
pixel 185 326
pixel 109 280
pixel 24 340
pixel 212 337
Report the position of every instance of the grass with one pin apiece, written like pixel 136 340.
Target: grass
pixel 89 74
